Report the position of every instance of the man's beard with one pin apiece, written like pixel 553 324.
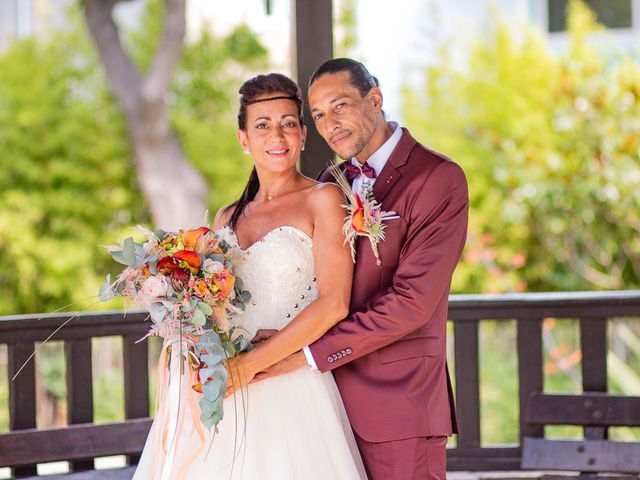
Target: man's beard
pixel 357 148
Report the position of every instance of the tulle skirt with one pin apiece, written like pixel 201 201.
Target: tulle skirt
pixel 288 427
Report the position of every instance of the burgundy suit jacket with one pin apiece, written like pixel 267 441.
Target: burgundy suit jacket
pixel 388 356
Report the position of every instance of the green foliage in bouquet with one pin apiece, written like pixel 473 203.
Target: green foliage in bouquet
pixel 550 142
pixel 214 348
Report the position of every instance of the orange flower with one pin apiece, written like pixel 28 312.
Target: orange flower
pixel 224 282
pixel 198 386
pixel 357 219
pixel 191 237
pixel 200 288
pixel 166 265
pixel 190 258
pixel 146 271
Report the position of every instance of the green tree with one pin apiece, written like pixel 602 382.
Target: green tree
pixel 67 182
pixel 551 147
pixel 65 175
pixel 67 179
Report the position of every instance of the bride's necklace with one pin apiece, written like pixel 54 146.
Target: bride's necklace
pixel 270 196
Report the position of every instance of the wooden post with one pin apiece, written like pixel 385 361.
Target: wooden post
pixel 530 374
pixel 593 342
pixel 312 27
pixel 22 395
pixel 465 336
pixel 136 382
pixel 79 389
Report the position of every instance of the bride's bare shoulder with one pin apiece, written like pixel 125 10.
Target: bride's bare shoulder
pixel 325 198
pixel 326 193
pixel 223 216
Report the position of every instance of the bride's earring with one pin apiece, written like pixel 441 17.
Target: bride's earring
pixel 302 147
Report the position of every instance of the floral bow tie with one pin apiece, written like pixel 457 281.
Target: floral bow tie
pixel 351 171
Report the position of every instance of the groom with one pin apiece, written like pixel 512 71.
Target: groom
pixel 388 356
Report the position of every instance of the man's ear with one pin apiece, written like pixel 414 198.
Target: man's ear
pixel 375 97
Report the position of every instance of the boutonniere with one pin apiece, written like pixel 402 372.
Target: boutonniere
pixel 364 215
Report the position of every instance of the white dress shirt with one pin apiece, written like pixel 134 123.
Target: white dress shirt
pixel 377 161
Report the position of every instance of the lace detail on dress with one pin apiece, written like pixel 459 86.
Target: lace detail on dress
pixel 279 272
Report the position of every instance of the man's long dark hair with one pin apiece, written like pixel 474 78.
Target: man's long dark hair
pixel 360 76
pixel 249 92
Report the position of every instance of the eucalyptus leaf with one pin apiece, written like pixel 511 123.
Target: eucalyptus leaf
pixel 208 340
pixel 242 344
pixel 192 304
pixel 206 372
pixel 214 356
pixel 160 234
pixel 118 256
pixel 158 312
pixel 205 308
pixel 224 245
pixel 198 317
pixel 152 261
pixel 206 407
pixel 128 252
pixel 207 421
pixel 217 257
pixel 239 304
pixel 139 259
pixel 106 291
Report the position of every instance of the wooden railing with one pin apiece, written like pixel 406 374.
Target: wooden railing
pixel 25 445
pixel 593 309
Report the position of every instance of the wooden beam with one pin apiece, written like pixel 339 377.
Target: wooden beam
pixel 313 33
pixel 75 442
pixel 590 408
pixel 583 456
pixel 483 459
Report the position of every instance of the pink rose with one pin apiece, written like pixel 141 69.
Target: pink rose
pixel 153 289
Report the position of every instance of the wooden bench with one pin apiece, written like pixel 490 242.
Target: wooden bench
pixel 595 411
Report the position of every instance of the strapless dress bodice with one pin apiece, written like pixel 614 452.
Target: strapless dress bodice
pixel 278 270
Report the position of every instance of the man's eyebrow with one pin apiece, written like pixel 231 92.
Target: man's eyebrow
pixel 333 100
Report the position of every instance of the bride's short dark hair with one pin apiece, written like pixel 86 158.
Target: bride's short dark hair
pixel 270 83
pixel 249 93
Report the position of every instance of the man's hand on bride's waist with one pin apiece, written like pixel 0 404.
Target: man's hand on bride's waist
pixel 293 362
pixel 263 335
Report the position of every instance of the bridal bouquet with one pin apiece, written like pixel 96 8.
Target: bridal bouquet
pixel 185 281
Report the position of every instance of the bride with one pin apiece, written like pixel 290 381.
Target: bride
pixel 286 236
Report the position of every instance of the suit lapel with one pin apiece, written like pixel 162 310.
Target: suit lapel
pixel 391 170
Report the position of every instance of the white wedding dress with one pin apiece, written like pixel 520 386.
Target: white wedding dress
pixel 291 427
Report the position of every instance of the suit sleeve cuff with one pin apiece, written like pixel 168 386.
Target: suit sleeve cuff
pixel 309 356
